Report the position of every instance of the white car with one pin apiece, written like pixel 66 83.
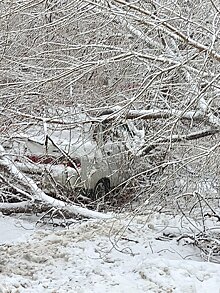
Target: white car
pixel 87 154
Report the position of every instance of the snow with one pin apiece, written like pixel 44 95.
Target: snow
pixel 14 230
pixel 124 254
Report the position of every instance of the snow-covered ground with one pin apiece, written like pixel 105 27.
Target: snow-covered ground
pixel 124 254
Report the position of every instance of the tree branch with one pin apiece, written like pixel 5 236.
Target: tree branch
pixel 178 138
pixel 176 33
pixel 111 114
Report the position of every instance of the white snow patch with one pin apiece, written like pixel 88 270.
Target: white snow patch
pixel 118 255
pixel 14 230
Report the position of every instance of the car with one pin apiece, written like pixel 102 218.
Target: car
pixel 80 154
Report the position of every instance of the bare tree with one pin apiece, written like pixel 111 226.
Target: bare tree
pixel 157 60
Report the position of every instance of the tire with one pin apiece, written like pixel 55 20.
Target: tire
pixel 101 189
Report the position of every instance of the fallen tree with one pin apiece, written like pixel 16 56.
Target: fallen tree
pixel 157 60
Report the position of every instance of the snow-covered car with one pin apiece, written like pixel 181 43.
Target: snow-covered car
pixel 87 154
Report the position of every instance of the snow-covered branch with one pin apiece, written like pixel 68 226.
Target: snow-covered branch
pixel 152 114
pixel 176 33
pixel 180 138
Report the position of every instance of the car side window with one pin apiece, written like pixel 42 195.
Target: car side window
pixel 107 131
pixel 103 132
pixel 97 133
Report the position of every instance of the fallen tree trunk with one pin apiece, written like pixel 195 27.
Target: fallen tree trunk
pixel 36 208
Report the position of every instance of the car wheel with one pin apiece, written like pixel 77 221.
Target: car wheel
pixel 101 188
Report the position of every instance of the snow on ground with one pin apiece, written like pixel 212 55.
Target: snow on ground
pixel 14 230
pixel 119 255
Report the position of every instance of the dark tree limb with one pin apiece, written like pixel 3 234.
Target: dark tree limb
pixel 179 138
